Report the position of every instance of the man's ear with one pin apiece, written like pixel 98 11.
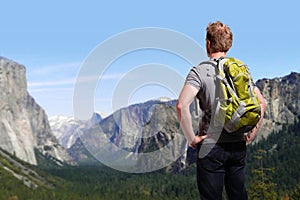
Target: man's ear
pixel 207 40
pixel 207 46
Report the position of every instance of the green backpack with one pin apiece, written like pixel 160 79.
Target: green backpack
pixel 238 107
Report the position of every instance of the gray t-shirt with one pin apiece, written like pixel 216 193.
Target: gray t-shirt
pixel 203 78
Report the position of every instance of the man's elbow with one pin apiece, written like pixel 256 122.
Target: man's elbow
pixel 263 104
pixel 181 106
pixel 178 106
pixel 262 100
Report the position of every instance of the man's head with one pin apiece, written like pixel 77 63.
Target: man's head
pixel 218 38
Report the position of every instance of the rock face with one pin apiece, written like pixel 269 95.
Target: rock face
pixel 24 125
pixel 282 96
pixel 137 129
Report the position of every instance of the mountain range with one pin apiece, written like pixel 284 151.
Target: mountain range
pixel 281 94
pixel 140 128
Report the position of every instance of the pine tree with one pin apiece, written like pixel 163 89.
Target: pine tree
pixel 262 186
pixel 296 193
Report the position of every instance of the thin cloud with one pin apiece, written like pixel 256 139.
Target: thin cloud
pixel 71 81
pixel 99 78
pixel 40 90
pixel 51 83
pixel 51 69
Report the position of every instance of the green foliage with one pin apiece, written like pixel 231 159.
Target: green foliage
pixel 296 193
pixel 262 186
pixel 99 182
pixel 279 157
pixel 12 187
pixel 92 182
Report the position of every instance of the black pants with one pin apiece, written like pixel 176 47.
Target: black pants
pixel 222 164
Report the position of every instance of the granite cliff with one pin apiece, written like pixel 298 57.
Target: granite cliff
pixel 24 126
pixel 283 102
pixel 136 129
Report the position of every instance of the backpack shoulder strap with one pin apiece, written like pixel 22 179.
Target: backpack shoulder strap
pixel 223 77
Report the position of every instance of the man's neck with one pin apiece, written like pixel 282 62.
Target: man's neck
pixel 217 55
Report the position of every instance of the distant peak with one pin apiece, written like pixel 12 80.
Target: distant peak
pixel 102 114
pixel 163 99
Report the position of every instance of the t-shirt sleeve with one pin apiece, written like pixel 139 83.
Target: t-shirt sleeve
pixel 193 78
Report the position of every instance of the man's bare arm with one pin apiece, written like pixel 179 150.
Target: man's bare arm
pixel 185 99
pixel 263 107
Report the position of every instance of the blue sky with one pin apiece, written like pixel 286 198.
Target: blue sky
pixel 53 38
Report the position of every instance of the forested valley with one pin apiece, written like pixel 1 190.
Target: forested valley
pixel 273 172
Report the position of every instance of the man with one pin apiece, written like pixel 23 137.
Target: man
pixel 221 156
